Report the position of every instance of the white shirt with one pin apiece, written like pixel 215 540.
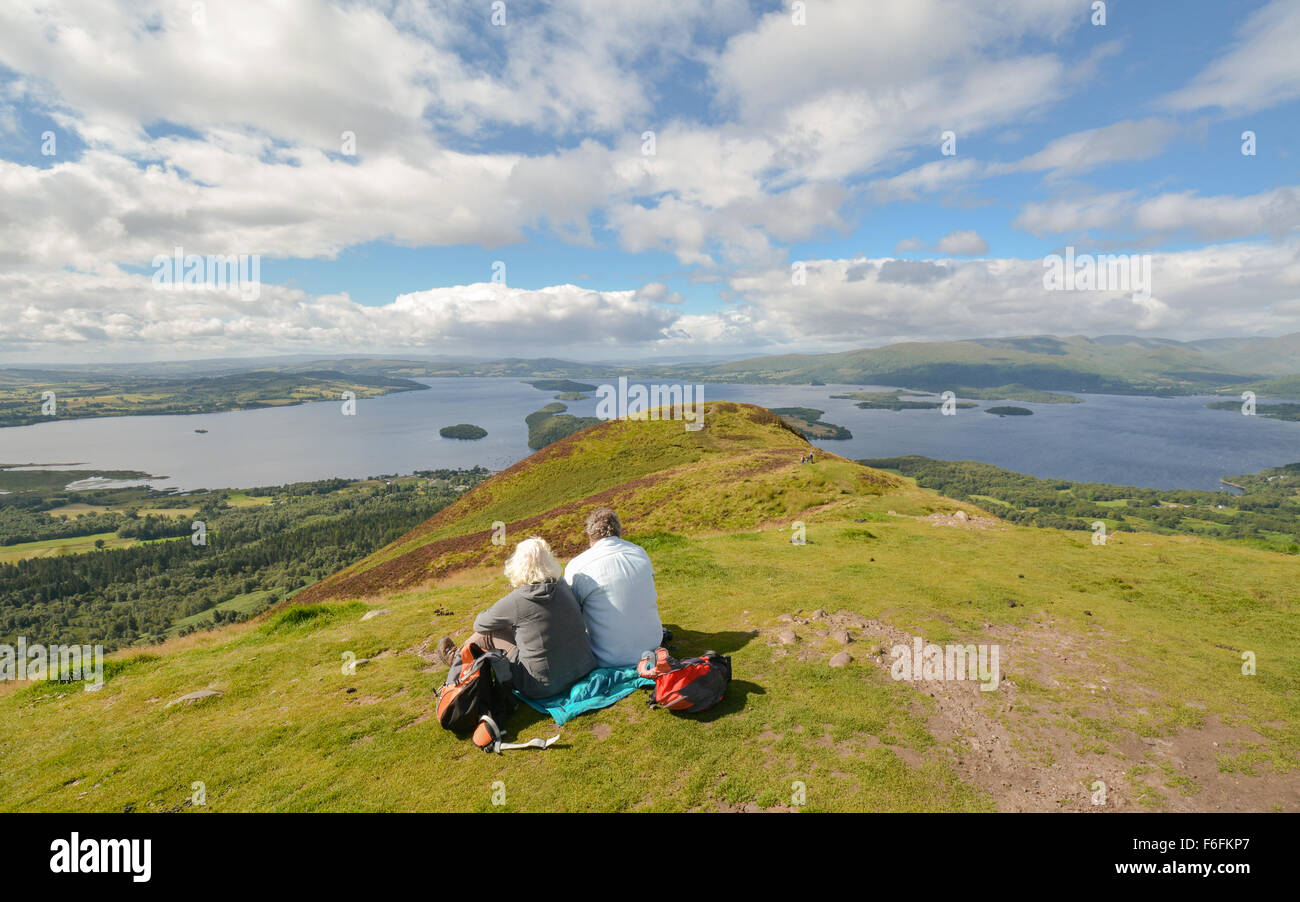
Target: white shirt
pixel 614 583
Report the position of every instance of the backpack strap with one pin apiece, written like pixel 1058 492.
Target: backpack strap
pixel 487 736
pixel 538 743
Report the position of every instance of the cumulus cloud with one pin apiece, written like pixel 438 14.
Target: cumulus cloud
pixel 843 303
pixel 659 293
pixel 963 242
pixel 925 179
pixel 866 302
pixel 124 310
pixel 235 123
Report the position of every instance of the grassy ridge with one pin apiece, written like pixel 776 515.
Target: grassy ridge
pixel 739 471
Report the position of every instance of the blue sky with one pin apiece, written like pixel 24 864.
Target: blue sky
pixel 783 134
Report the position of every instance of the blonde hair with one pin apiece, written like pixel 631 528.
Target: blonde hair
pixel 532 562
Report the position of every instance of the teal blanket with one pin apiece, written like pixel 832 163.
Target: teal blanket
pixel 598 689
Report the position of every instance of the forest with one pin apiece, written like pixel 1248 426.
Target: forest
pixel 260 544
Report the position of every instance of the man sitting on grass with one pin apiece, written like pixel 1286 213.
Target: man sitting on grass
pixel 614 583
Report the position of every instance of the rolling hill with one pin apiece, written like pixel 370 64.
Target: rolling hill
pixel 1122 364
pixel 1121 663
pixel 1112 364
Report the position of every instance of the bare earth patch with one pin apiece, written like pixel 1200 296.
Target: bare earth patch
pixel 1032 752
pixel 962 520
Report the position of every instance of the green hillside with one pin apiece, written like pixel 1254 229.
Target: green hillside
pixel 1119 662
pixel 1114 364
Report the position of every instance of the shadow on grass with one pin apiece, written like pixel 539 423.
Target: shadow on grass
pixel 689 643
pixel 738 691
pixel 527 716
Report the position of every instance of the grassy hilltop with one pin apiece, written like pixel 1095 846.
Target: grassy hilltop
pixel 1120 662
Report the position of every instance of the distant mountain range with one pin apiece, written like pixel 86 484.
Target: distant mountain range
pixel 1118 364
pixel 1113 364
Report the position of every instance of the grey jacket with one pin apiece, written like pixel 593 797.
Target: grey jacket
pixel 549 633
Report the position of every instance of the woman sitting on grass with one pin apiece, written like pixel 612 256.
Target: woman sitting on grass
pixel 538 625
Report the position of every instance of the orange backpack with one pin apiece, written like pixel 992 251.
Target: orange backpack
pixel 478 698
pixel 478 688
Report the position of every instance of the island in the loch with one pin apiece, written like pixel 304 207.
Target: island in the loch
pixel 551 423
pixel 1015 392
pixel 893 400
pixel 1272 411
pixel 467 431
pixel 561 385
pixel 808 421
pixel 1009 411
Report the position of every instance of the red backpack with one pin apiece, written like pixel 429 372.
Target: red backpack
pixel 689 686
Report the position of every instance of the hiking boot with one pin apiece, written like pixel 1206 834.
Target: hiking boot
pixel 447 651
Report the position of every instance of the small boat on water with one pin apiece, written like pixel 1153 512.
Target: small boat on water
pixel 201 431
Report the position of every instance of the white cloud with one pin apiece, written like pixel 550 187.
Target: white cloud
pixel 1081 151
pixel 1215 218
pixel 963 242
pixel 777 66
pixel 114 313
pixel 1259 71
pixel 927 178
pixel 1212 291
pixel 305 71
pixel 1238 288
pixel 253 103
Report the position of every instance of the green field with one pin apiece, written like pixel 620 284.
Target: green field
pixel 55 547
